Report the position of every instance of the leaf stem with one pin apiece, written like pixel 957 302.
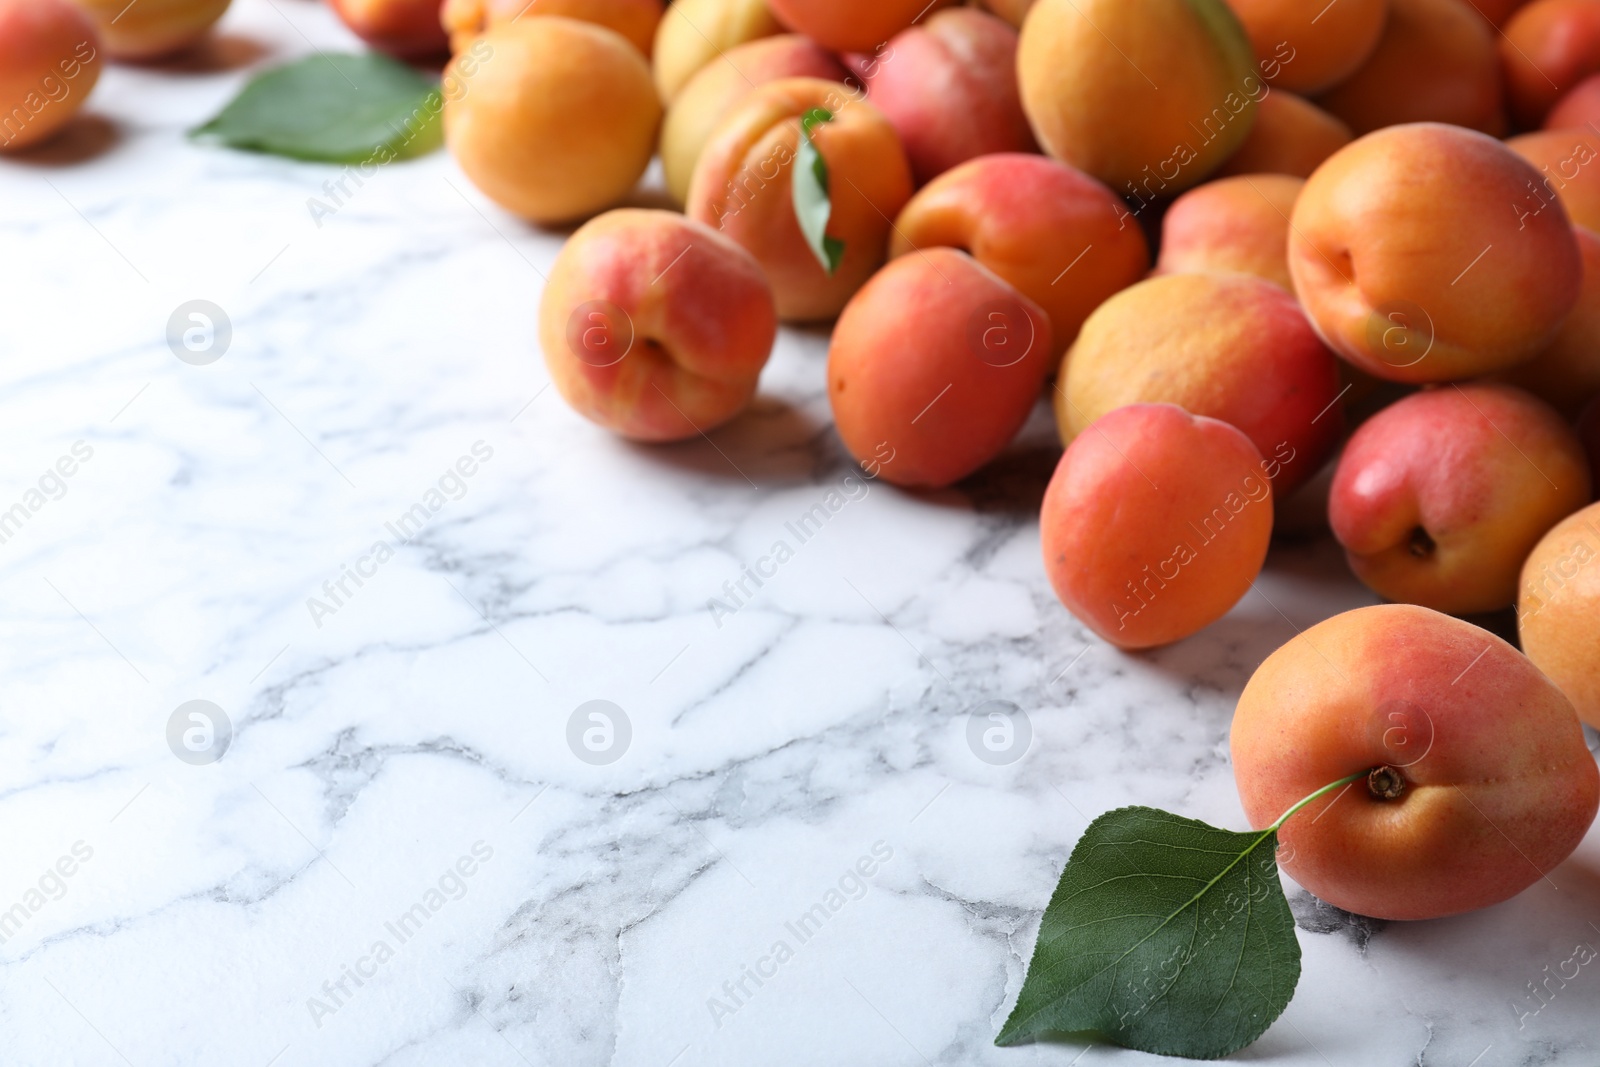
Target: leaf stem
pixel 1330 787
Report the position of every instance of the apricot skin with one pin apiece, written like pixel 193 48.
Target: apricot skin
pixel 1436 62
pixel 1546 48
pixel 689 308
pixel 743 185
pixel 702 104
pixel 694 32
pixel 1499 787
pixel 1155 523
pixel 949 86
pixel 1568 162
pixel 1226 346
pixel 402 28
pixel 467 19
pixel 151 29
pixel 49 63
pixel 1085 69
pixel 1558 609
pixel 1566 375
pixel 850 25
pixel 1578 108
pixel 1052 231
pixel 1238 225
pixel 935 363
pixel 1327 44
pixel 1290 136
pixel 1440 497
pixel 1409 256
pixel 558 123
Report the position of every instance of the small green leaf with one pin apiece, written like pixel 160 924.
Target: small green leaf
pixel 812 206
pixel 1164 935
pixel 333 108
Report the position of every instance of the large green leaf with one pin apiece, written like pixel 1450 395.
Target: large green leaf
pixel 333 108
pixel 813 205
pixel 1165 935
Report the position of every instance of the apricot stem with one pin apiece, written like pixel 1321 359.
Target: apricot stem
pixel 1330 787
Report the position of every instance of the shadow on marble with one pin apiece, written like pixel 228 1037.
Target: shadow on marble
pixel 85 138
pixel 772 444
pixel 218 53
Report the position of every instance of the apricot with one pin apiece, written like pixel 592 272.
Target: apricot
pixel 950 89
pixel 151 29
pixel 1497 11
pixel 1227 346
pixel 49 63
pixel 1088 71
pixel 694 32
pixel 702 104
pixel 468 19
pixel 934 367
pixel 1236 225
pixel 1436 62
pixel 850 25
pixel 1052 231
pixel 404 28
pixel 558 122
pixel 1155 523
pixel 1568 162
pixel 1547 48
pixel 1477 781
pixel 1558 609
pixel 1566 375
pixel 743 186
pixel 1580 107
pixel 654 326
pixel 1409 254
pixel 1440 497
pixel 1290 136
pixel 1313 46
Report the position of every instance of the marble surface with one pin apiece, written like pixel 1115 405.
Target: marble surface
pixel 416 726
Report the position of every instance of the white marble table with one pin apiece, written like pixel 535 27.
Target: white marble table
pixel 418 727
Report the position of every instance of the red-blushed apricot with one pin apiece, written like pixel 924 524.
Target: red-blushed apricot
pixel 151 29
pixel 1578 108
pixel 743 186
pixel 694 32
pixel 702 104
pixel 1436 62
pixel 1052 231
pixel 655 326
pixel 1313 46
pixel 1087 70
pixel 1477 781
pixel 1440 497
pixel 49 63
pixel 1226 346
pixel 1155 523
pixel 1547 48
pixel 1497 12
pixel 1568 162
pixel 949 87
pixel 1238 225
pixel 1409 255
pixel 849 25
pixel 558 122
pixel 934 367
pixel 465 20
pixel 403 28
pixel 1566 375
pixel 1290 136
pixel 1558 609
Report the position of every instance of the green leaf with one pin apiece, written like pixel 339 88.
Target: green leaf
pixel 1164 935
pixel 812 206
pixel 335 109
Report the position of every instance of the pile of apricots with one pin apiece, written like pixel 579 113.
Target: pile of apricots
pixel 1279 267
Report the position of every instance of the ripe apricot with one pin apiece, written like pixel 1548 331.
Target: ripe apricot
pixel 1558 609
pixel 1547 48
pixel 466 19
pixel 694 32
pixel 151 29
pixel 1314 46
pixel 1478 781
pixel 558 122
pixel 1290 136
pixel 1238 224
pixel 49 62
